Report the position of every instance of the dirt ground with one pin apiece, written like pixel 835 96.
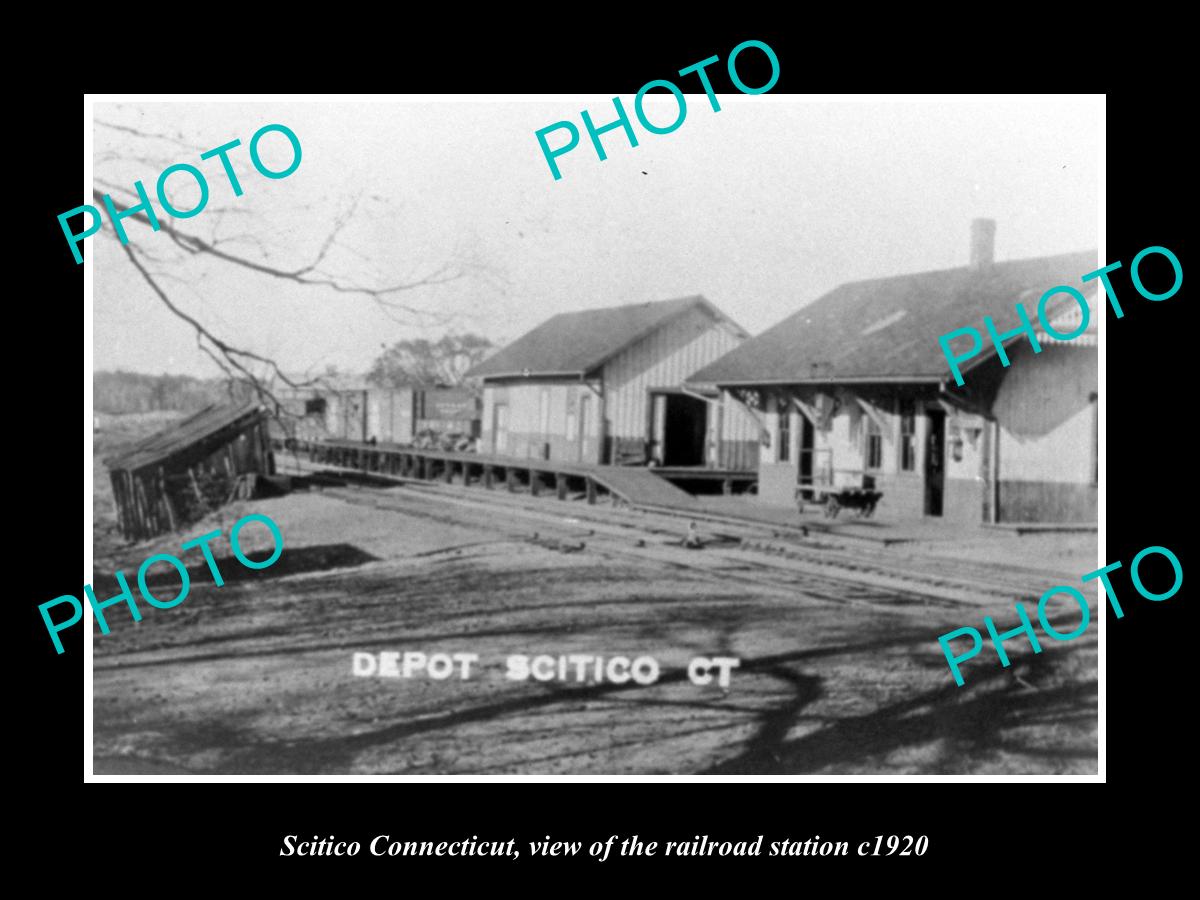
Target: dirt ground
pixel 840 669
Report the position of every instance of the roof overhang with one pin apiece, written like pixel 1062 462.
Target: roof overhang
pixel 698 302
pixel 526 375
pixel 1084 340
pixel 867 379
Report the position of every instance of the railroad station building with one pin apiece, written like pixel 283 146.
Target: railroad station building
pixel 853 390
pixel 607 386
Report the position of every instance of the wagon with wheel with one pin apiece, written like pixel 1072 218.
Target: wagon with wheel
pixel 845 489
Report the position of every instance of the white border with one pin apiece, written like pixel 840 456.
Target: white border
pixel 90 99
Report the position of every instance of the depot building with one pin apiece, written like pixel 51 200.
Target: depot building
pixel 853 390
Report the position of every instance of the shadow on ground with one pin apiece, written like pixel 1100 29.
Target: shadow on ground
pixel 969 723
pixel 997 716
pixel 293 561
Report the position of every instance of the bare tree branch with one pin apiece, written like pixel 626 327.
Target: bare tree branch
pixel 195 245
pixel 257 373
pixel 338 224
pixel 231 357
pixel 174 139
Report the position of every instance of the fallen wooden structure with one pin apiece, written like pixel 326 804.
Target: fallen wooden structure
pixel 181 473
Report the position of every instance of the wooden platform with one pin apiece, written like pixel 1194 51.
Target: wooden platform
pixel 733 481
pixel 638 485
pixel 634 485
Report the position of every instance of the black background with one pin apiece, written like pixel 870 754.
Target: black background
pixel 221 834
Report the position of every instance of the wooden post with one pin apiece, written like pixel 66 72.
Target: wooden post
pixel 144 526
pixel 130 510
pixel 119 499
pixel 448 472
pixel 727 486
pixel 535 485
pixel 196 487
pixel 591 490
pixel 162 486
pixel 560 485
pixel 425 473
pixel 489 476
pixel 510 479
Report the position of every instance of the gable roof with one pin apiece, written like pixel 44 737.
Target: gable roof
pixel 187 433
pixel 580 342
pixel 887 329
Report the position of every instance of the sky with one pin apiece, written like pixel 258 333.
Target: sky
pixel 761 207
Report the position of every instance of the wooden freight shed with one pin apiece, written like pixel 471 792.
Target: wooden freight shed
pixel 179 474
pixel 607 386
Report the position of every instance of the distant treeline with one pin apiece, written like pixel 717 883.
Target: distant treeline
pixel 129 392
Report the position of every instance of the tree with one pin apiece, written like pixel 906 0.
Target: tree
pixel 423 362
pixel 126 151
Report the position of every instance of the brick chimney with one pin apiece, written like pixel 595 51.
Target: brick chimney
pixel 983 243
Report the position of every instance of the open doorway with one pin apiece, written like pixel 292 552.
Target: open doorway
pixel 935 462
pixel 805 467
pixel 679 429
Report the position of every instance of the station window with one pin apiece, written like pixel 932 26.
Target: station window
pixel 873 451
pixel 908 436
pixel 785 434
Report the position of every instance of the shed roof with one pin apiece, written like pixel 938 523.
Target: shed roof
pixel 185 434
pixel 888 328
pixel 579 342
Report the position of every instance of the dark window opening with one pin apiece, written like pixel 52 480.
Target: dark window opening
pixel 785 434
pixel 315 406
pixel 908 436
pixel 873 454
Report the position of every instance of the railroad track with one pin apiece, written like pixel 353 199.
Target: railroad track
pixel 824 549
pixel 746 554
